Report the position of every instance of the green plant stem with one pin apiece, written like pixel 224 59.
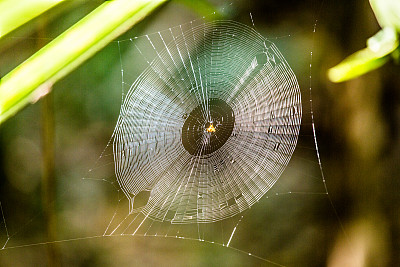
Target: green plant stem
pixel 49 179
pixel 34 78
pixel 48 159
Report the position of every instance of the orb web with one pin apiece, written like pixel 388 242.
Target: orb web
pixel 209 126
pixel 203 133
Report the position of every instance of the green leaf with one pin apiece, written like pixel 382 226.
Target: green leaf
pixel 34 78
pixel 14 14
pixel 355 65
pixel 375 55
pixel 383 42
pixel 387 12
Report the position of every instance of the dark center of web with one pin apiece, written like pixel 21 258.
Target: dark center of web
pixel 208 127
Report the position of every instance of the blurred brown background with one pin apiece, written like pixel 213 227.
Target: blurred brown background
pixel 357 128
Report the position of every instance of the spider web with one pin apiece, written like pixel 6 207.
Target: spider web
pixel 238 68
pixel 177 193
pixel 205 193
